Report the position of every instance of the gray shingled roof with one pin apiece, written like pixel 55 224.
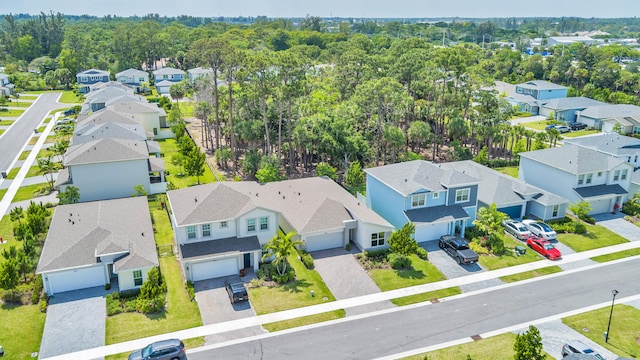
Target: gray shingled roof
pixel 541 85
pixel 416 176
pixel 131 72
pixel 610 111
pixel 579 102
pixel 436 214
pixel 309 204
pixel 609 143
pixel 200 70
pixel 168 71
pixel 136 107
pixel 63 177
pixel 106 93
pixel 600 190
pixel 109 130
pixel 106 150
pixel 574 159
pixel 501 189
pixel 101 117
pixel 217 248
pixel 93 72
pixel 79 231
pixel 156 164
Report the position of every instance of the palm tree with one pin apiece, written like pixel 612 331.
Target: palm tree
pixel 280 247
pixel 47 167
pixel 16 214
pixel 59 148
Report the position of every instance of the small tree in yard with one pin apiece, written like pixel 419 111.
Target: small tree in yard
pixel 581 210
pixel 280 247
pixel 324 169
pixel 70 195
pixel 194 163
pixel 528 346
pixel 152 293
pixel 489 219
pixel 355 175
pixel 9 275
pixel 402 242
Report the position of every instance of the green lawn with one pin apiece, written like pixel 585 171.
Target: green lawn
pixel 499 347
pixel 28 97
pixel 22 104
pixel 52 112
pixel 623 336
pixel 428 296
pixel 33 140
pixel 616 255
pixel 2 192
pixel 33 171
pixel 509 170
pixel 27 192
pixel 24 155
pixel 163 231
pixel 6 122
pixel 1 131
pixel 6 233
pixel 169 148
pixel 596 237
pixel 41 129
pixel 539 125
pixel 531 274
pixel 573 134
pixel 305 320
pixel 186 108
pixel 509 258
pixel 10 113
pixel 423 272
pixel 69 97
pixel 21 330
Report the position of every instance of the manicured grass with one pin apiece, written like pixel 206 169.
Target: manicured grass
pixel 186 108
pixel 428 296
pixel 21 330
pixel 28 97
pixel 11 113
pixel 33 140
pixel 509 257
pixel 2 192
pixel 169 148
pixel 52 112
pixel 305 320
pixel 616 255
pixel 6 122
pixel 163 231
pixel 50 139
pixel 596 237
pixel 1 131
pixel 27 192
pixel 423 272
pixel 22 104
pixel 509 170
pixel 41 129
pixel 296 294
pixel 495 348
pixel 623 336
pixel 68 97
pixel 531 274
pixel 573 134
pixel 6 233
pixel 33 171
pixel 24 155
pixel 181 313
pixel 538 125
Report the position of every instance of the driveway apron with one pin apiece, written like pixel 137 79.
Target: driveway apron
pixel 344 276
pixel 617 224
pixel 75 321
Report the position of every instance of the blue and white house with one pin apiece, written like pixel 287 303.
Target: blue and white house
pixel 90 77
pixel 607 116
pixel 132 77
pixel 6 87
pixel 565 109
pixel 165 77
pixel 438 200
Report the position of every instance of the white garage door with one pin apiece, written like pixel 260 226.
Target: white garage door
pixel 214 269
pixel 76 279
pixel 600 206
pixel 326 241
pixel 431 231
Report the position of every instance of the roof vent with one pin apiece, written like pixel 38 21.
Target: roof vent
pixel 405 180
pixel 195 199
pixel 283 197
pixel 256 194
pixel 142 234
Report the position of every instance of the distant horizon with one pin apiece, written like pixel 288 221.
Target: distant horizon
pixel 407 9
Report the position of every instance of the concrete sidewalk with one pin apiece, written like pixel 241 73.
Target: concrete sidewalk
pixel 359 301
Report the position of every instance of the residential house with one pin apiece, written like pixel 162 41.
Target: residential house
pixel 6 87
pixel 114 130
pixel 512 196
pixel 568 40
pixel 133 77
pixel 625 148
pixel 606 117
pixel 529 96
pixel 579 174
pixel 436 199
pixel 149 115
pixel 222 227
pixel 98 99
pixel 565 109
pixel 90 77
pixel 165 77
pixel 96 243
pixel 199 72
pixel 109 168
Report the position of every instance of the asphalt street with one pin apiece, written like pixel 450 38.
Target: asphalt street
pixel 422 326
pixel 13 140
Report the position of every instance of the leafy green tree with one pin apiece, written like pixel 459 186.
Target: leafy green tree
pixel 324 169
pixel 419 135
pixel 268 173
pixel 9 275
pixel 186 145
pixel 177 92
pixel 70 195
pixel 280 247
pixel 402 241
pixel 194 163
pixel 223 155
pixel 581 209
pixel 251 163
pixel 139 190
pixel 617 128
pixel 16 214
pixel 489 219
pixel 355 175
pixel 528 346
pixel 482 157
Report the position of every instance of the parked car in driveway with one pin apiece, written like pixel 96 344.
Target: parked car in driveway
pixel 578 347
pixel 575 126
pixel 543 247
pixel 540 229
pixel 517 229
pixel 458 248
pixel 549 127
pixel 563 129
pixel 172 349
pixel 236 291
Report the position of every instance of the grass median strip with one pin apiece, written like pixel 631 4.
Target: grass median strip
pixel 531 274
pixel 33 171
pixel 6 122
pixel 428 296
pixel 305 320
pixel 27 192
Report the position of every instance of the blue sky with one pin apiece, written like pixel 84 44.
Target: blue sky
pixel 326 8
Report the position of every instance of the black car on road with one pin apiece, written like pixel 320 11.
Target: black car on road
pixel 236 291
pixel 458 248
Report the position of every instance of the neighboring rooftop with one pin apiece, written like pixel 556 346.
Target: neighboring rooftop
pixel 574 159
pixel 168 71
pixel 131 72
pixel 579 102
pixel 610 111
pixel 106 150
pixel 609 143
pixel 541 85
pixel 109 130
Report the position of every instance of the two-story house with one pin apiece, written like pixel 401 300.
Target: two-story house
pixel 565 109
pixel 221 227
pixel 530 96
pixel 199 72
pixel 90 77
pixel 125 111
pixel 512 196
pixel 97 243
pixel 98 99
pixel 437 200
pixel 607 117
pixel 110 168
pixel 133 77
pixel 579 174
pixel 6 87
pixel 165 77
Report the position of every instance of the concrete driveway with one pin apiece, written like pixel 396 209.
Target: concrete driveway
pixel 555 334
pixel 75 321
pixel 617 224
pixel 345 278
pixel 451 269
pixel 215 307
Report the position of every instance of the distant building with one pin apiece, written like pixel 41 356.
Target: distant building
pixel 568 40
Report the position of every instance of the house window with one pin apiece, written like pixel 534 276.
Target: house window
pixel 616 175
pixel 628 158
pixel 191 232
pixel 155 131
pixel 599 173
pixel 264 223
pixel 141 79
pixel 377 239
pixel 223 224
pixel 436 195
pixel 165 77
pixel 251 225
pixel 206 230
pixel 635 159
pixel 589 178
pixel 462 195
pixel 417 200
pixel 624 175
pixel 556 210
pixel 137 277
pixel 580 179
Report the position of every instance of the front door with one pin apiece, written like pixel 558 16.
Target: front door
pixel 247 260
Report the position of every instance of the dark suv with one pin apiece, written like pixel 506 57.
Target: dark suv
pixel 236 291
pixel 577 126
pixel 172 349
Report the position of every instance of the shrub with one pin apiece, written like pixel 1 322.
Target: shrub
pixel 307 260
pixel 376 255
pixel 10 296
pixel 43 306
pixel 148 306
pixel 422 253
pixel 474 232
pixel 107 286
pixel 399 261
pixel 496 245
pixel 37 289
pixel 580 228
pixel 264 271
pixel 478 248
pixel 348 247
pixel 191 291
